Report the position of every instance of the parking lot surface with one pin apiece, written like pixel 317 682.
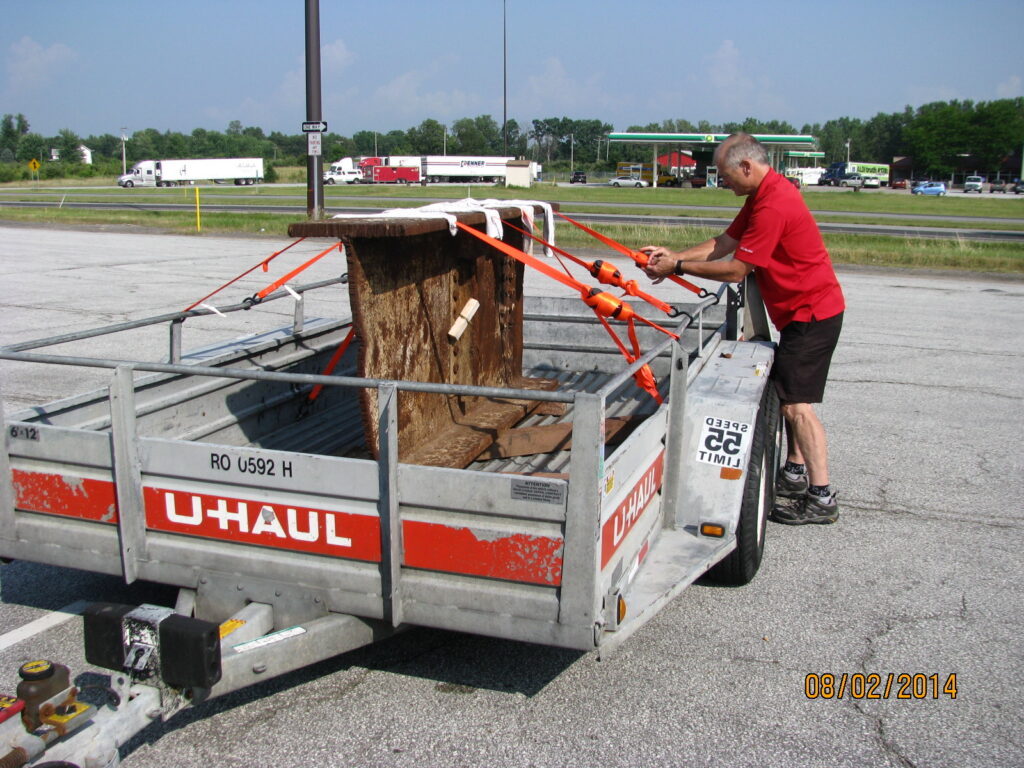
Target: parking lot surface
pixel 922 574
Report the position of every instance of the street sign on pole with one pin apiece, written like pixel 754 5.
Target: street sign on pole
pixel 315 141
pixel 33 165
pixel 314 126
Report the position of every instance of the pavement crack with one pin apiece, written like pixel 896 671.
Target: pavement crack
pixel 922 385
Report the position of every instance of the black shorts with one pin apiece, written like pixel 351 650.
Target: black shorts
pixel 803 358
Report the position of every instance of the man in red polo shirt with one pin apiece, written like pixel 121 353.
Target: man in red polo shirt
pixel 776 237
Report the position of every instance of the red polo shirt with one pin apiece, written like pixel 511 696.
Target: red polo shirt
pixel 778 236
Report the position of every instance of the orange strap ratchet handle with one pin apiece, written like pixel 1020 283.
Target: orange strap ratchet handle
pixel 639 257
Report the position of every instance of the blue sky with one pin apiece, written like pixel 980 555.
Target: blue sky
pixel 96 66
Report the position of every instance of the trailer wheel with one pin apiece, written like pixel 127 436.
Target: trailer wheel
pixel 741 565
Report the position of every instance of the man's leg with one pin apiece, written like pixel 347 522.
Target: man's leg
pixel 806 440
pixel 807 445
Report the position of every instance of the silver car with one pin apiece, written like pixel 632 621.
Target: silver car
pixel 628 181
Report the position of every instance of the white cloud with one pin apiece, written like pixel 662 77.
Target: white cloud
pixel 335 57
pixel 737 91
pixel 31 66
pixel 408 95
pixel 927 94
pixel 554 92
pixel 289 97
pixel 1010 88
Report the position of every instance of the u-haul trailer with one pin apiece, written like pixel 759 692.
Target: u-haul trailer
pixel 291 540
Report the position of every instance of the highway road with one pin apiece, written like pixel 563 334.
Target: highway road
pixel 901 225
pixel 922 575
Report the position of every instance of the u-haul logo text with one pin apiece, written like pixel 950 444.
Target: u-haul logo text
pixel 628 512
pixel 299 528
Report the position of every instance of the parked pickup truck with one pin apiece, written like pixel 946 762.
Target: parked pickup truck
pixel 292 539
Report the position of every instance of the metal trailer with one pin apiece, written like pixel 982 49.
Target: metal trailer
pixel 289 544
pixel 468 168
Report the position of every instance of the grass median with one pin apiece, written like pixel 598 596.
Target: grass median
pixel 872 250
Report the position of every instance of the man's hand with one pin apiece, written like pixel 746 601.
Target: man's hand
pixel 661 264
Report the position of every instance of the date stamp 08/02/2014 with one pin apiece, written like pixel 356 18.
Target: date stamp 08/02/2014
pixel 891 685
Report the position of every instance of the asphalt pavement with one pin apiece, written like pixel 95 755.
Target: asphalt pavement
pixel 922 574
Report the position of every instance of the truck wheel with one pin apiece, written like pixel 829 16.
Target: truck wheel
pixel 741 565
pixel 129 184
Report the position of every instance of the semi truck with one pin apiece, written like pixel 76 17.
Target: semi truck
pixel 835 172
pixel 298 527
pixel 393 169
pixel 436 169
pixel 173 173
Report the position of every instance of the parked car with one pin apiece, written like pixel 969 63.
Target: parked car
pixel 628 181
pixel 852 180
pixel 1018 188
pixel 999 186
pixel 929 188
pixel 578 177
pixel 872 181
pixel 973 184
pixel 898 184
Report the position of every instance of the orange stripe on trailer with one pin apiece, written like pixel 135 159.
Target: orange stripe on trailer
pixel 630 509
pixel 65 495
pixel 516 557
pixel 297 527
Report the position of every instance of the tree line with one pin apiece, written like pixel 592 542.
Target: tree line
pixel 938 136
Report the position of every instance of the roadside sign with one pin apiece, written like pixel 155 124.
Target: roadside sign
pixel 314 126
pixel 315 141
pixel 33 165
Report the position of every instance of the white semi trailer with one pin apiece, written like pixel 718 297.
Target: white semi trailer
pixel 172 173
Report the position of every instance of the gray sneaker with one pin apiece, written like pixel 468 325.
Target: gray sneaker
pixel 787 488
pixel 809 509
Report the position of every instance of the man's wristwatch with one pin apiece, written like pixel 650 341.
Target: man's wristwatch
pixel 678 268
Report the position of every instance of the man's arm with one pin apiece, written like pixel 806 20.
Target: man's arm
pixel 702 260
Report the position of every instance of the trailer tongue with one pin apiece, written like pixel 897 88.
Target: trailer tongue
pixel 513 481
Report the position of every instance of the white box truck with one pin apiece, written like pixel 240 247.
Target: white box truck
pixel 172 173
pixel 343 171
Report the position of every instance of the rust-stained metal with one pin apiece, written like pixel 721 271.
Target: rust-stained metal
pixel 408 281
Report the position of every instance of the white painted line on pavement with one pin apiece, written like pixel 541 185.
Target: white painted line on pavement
pixel 42 624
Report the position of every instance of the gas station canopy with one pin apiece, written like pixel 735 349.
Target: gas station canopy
pixel 779 140
pixel 702 146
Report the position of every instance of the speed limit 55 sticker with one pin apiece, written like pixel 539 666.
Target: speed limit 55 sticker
pixel 724 443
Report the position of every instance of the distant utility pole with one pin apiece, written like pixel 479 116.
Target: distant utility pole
pixel 314 114
pixel 124 156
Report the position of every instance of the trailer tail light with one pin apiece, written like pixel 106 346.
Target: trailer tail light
pixel 712 529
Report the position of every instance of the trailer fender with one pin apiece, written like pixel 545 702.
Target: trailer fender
pixel 718 435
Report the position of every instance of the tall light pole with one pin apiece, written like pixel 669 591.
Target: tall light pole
pixel 124 156
pixel 314 113
pixel 504 79
pixel 572 152
pixel 847 150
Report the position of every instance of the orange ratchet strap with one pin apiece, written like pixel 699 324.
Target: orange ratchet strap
pixel 604 304
pixel 265 264
pixel 639 257
pixel 278 283
pixel 606 274
pixel 335 359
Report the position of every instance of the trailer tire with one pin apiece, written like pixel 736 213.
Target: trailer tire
pixel 741 565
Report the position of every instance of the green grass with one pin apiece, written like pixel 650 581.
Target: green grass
pixel 866 250
pixel 845 249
